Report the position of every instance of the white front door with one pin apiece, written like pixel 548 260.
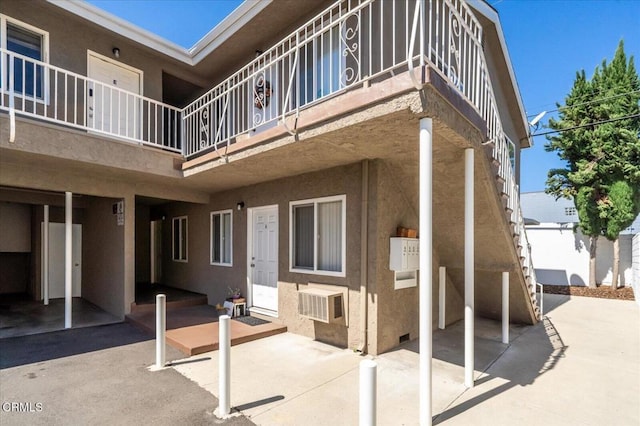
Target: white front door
pixel 263 267
pixel 57 261
pixel 110 109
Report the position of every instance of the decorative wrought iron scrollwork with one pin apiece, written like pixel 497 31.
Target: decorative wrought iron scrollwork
pixel 454 52
pixel 204 128
pixel 349 29
pixel 261 98
pixel 262 93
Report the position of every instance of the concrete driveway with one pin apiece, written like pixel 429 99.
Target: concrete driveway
pixel 581 366
pixel 97 376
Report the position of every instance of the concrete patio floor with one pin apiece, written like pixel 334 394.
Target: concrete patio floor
pixel 581 366
pixel 194 329
pixel 23 317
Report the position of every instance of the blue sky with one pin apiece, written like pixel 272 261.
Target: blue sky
pixel 548 41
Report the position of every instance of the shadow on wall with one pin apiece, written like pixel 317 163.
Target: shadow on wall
pixel 558 277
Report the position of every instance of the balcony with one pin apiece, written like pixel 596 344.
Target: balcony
pixel 350 45
pixel 48 93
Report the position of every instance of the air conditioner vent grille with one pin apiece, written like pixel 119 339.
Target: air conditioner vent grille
pixel 320 305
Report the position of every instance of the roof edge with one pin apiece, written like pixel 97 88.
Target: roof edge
pixel 200 50
pixel 227 27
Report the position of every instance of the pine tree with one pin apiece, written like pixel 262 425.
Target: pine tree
pixel 602 173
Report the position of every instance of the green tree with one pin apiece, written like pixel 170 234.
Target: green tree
pixel 597 135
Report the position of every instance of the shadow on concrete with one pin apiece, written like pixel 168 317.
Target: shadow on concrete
pixel 258 403
pixel 520 364
pixel 60 344
pixel 188 361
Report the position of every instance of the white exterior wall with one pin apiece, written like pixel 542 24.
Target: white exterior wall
pixel 635 262
pixel 562 257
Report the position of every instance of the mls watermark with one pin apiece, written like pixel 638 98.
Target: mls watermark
pixel 22 407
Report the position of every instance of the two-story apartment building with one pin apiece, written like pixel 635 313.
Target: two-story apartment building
pixel 279 154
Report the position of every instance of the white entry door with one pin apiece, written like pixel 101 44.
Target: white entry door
pixel 264 258
pixel 109 108
pixel 57 261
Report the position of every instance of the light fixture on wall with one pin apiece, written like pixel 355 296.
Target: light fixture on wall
pixel 240 205
pixel 116 52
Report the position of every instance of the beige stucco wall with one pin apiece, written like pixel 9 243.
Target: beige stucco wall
pixel 143 247
pixel 70 37
pixel 103 255
pixel 396 312
pixel 198 275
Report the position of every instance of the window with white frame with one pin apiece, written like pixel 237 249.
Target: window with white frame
pixel 318 235
pixel 179 239
pixel 26 44
pixel 221 238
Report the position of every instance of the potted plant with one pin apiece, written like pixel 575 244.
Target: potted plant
pixel 234 293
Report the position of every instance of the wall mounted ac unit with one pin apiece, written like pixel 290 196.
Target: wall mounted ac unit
pixel 321 305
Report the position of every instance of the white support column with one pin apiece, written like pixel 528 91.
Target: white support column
pixel 161 327
pixel 224 366
pixel 68 227
pixel 468 268
pixel 426 271
pixel 505 308
pixel 442 297
pixel 45 256
pixel 368 392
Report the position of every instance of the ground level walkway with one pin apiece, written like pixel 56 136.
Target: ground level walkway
pixel 95 376
pixel 581 366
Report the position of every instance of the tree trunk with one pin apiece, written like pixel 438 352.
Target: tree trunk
pixel 616 264
pixel 592 261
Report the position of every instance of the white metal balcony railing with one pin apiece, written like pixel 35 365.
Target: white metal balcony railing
pixel 36 89
pixel 349 43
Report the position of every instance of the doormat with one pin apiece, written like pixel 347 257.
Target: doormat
pixel 251 320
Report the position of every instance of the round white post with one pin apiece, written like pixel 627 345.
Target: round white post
pixel 468 268
pixel 368 392
pixel 505 308
pixel 68 258
pixel 45 256
pixel 442 297
pixel 224 366
pixel 161 327
pixel 426 259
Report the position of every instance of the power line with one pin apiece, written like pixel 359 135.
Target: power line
pixel 587 125
pixel 588 102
